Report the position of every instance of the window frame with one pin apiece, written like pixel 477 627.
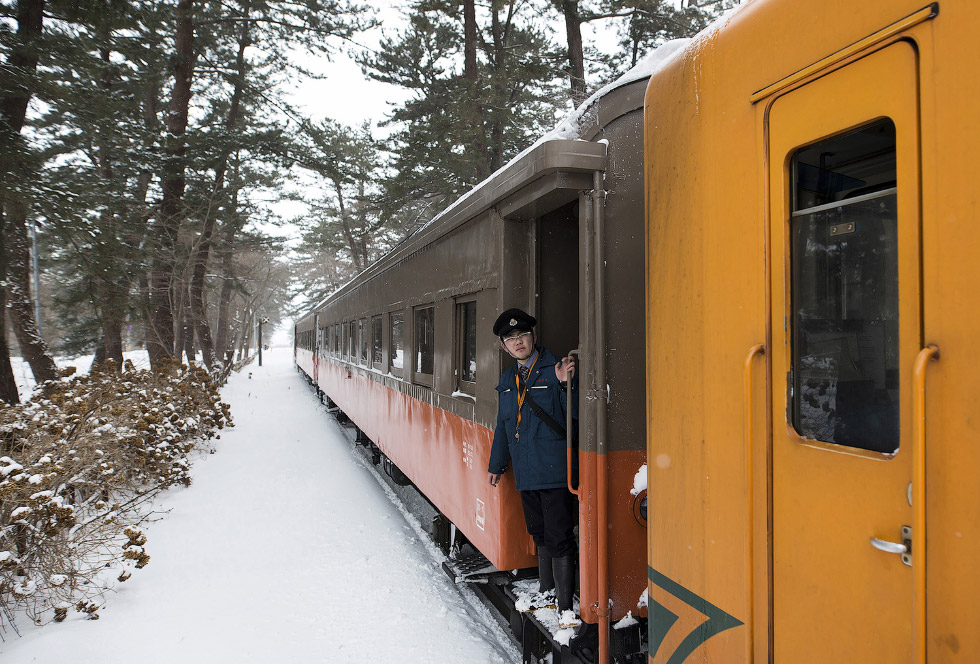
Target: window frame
pixel 420 377
pixel 460 344
pixel 376 325
pixel 799 421
pixel 363 358
pixel 392 369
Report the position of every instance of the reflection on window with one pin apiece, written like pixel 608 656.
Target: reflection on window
pixel 397 340
pixel 424 340
pixel 376 341
pixel 466 317
pixel 844 290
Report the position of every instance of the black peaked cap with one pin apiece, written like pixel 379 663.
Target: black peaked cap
pixel 513 319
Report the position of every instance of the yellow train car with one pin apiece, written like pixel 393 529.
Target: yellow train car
pixel 813 336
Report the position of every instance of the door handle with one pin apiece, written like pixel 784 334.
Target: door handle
pixel 888 547
pixel 904 548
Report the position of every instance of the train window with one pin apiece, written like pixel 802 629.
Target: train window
pixel 397 341
pixel 844 290
pixel 362 335
pixel 336 339
pixel 376 342
pixel 351 341
pixel 424 344
pixel 466 346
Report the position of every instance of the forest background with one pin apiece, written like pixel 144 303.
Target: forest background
pixel 149 149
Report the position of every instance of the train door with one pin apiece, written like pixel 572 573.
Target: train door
pixel 845 332
pixel 557 279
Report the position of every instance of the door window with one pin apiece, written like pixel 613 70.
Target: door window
pixel 844 290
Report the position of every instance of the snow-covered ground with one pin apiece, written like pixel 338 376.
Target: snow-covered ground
pixel 286 548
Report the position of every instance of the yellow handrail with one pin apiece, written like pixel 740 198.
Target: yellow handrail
pixel 928 353
pixel 758 349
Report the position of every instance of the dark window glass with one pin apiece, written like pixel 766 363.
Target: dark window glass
pixel 844 291
pixel 467 341
pixel 376 341
pixel 362 334
pixel 397 340
pixel 352 341
pixel 424 340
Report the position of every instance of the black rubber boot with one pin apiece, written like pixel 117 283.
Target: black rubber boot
pixel 564 581
pixel 546 575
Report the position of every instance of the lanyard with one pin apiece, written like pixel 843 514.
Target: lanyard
pixel 522 393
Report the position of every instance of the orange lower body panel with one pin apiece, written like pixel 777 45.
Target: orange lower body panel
pixel 625 562
pixel 445 456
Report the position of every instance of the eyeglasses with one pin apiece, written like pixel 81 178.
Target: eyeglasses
pixel 515 337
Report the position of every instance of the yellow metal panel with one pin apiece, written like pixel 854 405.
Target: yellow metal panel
pixel 708 225
pixel 828 500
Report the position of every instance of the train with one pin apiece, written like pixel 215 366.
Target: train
pixel 761 248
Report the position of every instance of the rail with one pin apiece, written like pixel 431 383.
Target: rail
pixel 928 353
pixel 569 436
pixel 758 349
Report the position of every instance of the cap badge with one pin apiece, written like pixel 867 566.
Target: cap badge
pixel 513 322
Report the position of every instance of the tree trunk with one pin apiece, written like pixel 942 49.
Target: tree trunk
pixel 500 32
pixel 576 57
pixel 180 309
pixel 348 233
pixel 222 341
pixel 246 331
pixel 19 303
pixel 233 224
pixel 111 292
pixel 198 306
pixel 189 349
pixel 8 386
pixel 21 68
pixel 472 74
pixel 161 341
pixel 99 358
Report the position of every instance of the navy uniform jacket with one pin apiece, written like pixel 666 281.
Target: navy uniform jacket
pixel 539 454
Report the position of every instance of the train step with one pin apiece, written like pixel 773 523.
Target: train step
pixel 473 568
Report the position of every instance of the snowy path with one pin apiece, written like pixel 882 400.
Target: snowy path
pixel 285 549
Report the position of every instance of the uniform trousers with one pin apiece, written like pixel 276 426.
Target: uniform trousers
pixel 551 516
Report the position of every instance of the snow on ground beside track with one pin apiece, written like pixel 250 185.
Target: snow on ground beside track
pixel 284 549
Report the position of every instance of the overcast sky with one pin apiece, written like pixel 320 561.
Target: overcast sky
pixel 346 94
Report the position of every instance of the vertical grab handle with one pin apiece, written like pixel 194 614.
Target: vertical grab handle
pixel 758 349
pixel 928 353
pixel 569 447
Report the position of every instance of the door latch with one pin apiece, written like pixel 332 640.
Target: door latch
pixel 904 548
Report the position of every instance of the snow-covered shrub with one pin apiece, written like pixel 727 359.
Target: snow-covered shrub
pixel 79 464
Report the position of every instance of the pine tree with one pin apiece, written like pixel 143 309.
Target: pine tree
pixel 498 101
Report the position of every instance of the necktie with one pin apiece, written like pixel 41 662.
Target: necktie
pixel 525 372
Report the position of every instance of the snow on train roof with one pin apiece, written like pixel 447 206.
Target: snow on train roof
pixel 568 129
